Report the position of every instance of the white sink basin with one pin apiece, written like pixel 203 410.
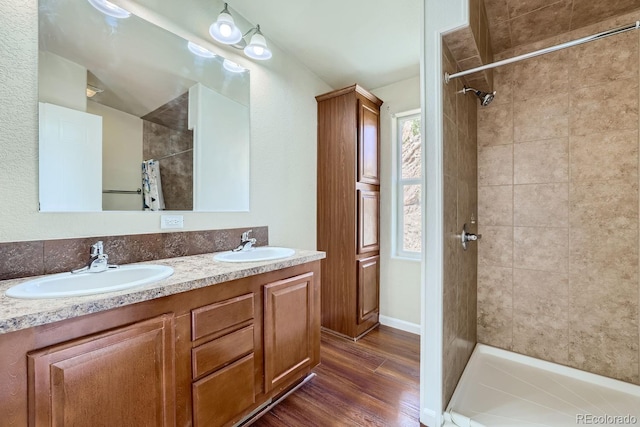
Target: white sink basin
pixel 261 253
pixel 71 285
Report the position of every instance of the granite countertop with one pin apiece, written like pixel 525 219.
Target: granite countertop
pixel 190 272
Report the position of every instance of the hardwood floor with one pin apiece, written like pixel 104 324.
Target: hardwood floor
pixel 373 382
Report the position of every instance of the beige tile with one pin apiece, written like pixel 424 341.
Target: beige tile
pixel 500 36
pixel 604 301
pixel 550 110
pixel 502 84
pixel 497 10
pixel 607 251
pixel 541 293
pixel 605 352
pixel 605 156
pixel 495 306
pixel 461 43
pixel 495 165
pixel 541 205
pixel 495 205
pixel 588 11
pixel 450 302
pixel 474 18
pixel 467 157
pixel 543 337
pixel 465 204
pixel 520 7
pixel 604 204
pixel 472 120
pixel 450 147
pixel 548 74
pixel 496 246
pixel 538 248
pixel 450 201
pixel 495 125
pixel 543 161
pixel 611 58
pixel 605 107
pixel 542 23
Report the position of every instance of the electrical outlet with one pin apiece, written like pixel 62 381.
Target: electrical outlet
pixel 171 221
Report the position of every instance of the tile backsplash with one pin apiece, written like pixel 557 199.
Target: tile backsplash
pixel 32 258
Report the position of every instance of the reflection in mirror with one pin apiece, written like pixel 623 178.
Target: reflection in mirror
pixel 121 98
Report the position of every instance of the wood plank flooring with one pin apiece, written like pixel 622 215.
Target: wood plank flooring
pixel 373 382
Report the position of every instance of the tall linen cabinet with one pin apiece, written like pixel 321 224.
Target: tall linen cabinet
pixel 348 209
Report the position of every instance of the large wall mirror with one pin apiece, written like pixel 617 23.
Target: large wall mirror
pixel 134 117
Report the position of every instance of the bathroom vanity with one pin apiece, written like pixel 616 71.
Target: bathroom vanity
pixel 212 345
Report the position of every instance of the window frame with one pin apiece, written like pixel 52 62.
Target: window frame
pixel 398 186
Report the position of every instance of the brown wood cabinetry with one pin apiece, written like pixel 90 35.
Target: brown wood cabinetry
pixel 349 208
pixel 88 382
pixel 198 358
pixel 291 330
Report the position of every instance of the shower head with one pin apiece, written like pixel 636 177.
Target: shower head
pixel 484 97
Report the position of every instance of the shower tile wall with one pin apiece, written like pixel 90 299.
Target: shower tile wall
pixel 460 203
pixel 558 204
pixel 176 171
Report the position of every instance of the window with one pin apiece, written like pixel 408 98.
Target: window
pixel 408 178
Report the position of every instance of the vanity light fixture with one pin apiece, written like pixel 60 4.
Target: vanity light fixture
pixel 257 47
pixel 110 9
pixel 224 30
pixel 233 67
pixel 92 91
pixel 200 51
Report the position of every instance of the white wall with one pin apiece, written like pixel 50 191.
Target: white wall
pixel 283 150
pixel 438 18
pixel 121 156
pixel 61 82
pixel 399 278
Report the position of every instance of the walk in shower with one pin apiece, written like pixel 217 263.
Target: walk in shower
pixel 558 211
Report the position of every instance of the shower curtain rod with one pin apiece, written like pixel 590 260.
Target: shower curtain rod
pixel 175 154
pixel 533 54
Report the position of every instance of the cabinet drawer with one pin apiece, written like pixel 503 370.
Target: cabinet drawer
pixel 225 394
pixel 219 352
pixel 221 315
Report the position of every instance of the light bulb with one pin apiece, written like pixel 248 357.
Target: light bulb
pixel 225 30
pixel 259 50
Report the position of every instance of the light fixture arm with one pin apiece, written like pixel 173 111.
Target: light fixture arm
pixel 243 42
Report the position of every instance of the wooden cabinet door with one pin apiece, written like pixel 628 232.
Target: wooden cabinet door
pixel 121 377
pixel 368 144
pixel 368 287
pixel 288 310
pixel 368 221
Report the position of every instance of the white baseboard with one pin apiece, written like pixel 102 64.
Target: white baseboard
pixel 403 325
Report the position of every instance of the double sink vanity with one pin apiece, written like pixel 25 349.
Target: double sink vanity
pixel 216 343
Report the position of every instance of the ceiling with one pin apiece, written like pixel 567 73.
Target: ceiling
pixel 370 42
pixel 514 23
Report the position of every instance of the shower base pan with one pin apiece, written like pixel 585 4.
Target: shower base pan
pixel 505 389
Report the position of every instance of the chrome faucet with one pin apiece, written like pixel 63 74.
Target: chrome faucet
pixel 245 242
pixel 99 260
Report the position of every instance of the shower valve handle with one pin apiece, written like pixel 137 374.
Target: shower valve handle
pixel 466 237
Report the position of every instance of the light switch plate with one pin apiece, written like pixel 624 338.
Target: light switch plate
pixel 171 221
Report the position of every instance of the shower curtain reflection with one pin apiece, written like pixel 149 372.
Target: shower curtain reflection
pixel 153 199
